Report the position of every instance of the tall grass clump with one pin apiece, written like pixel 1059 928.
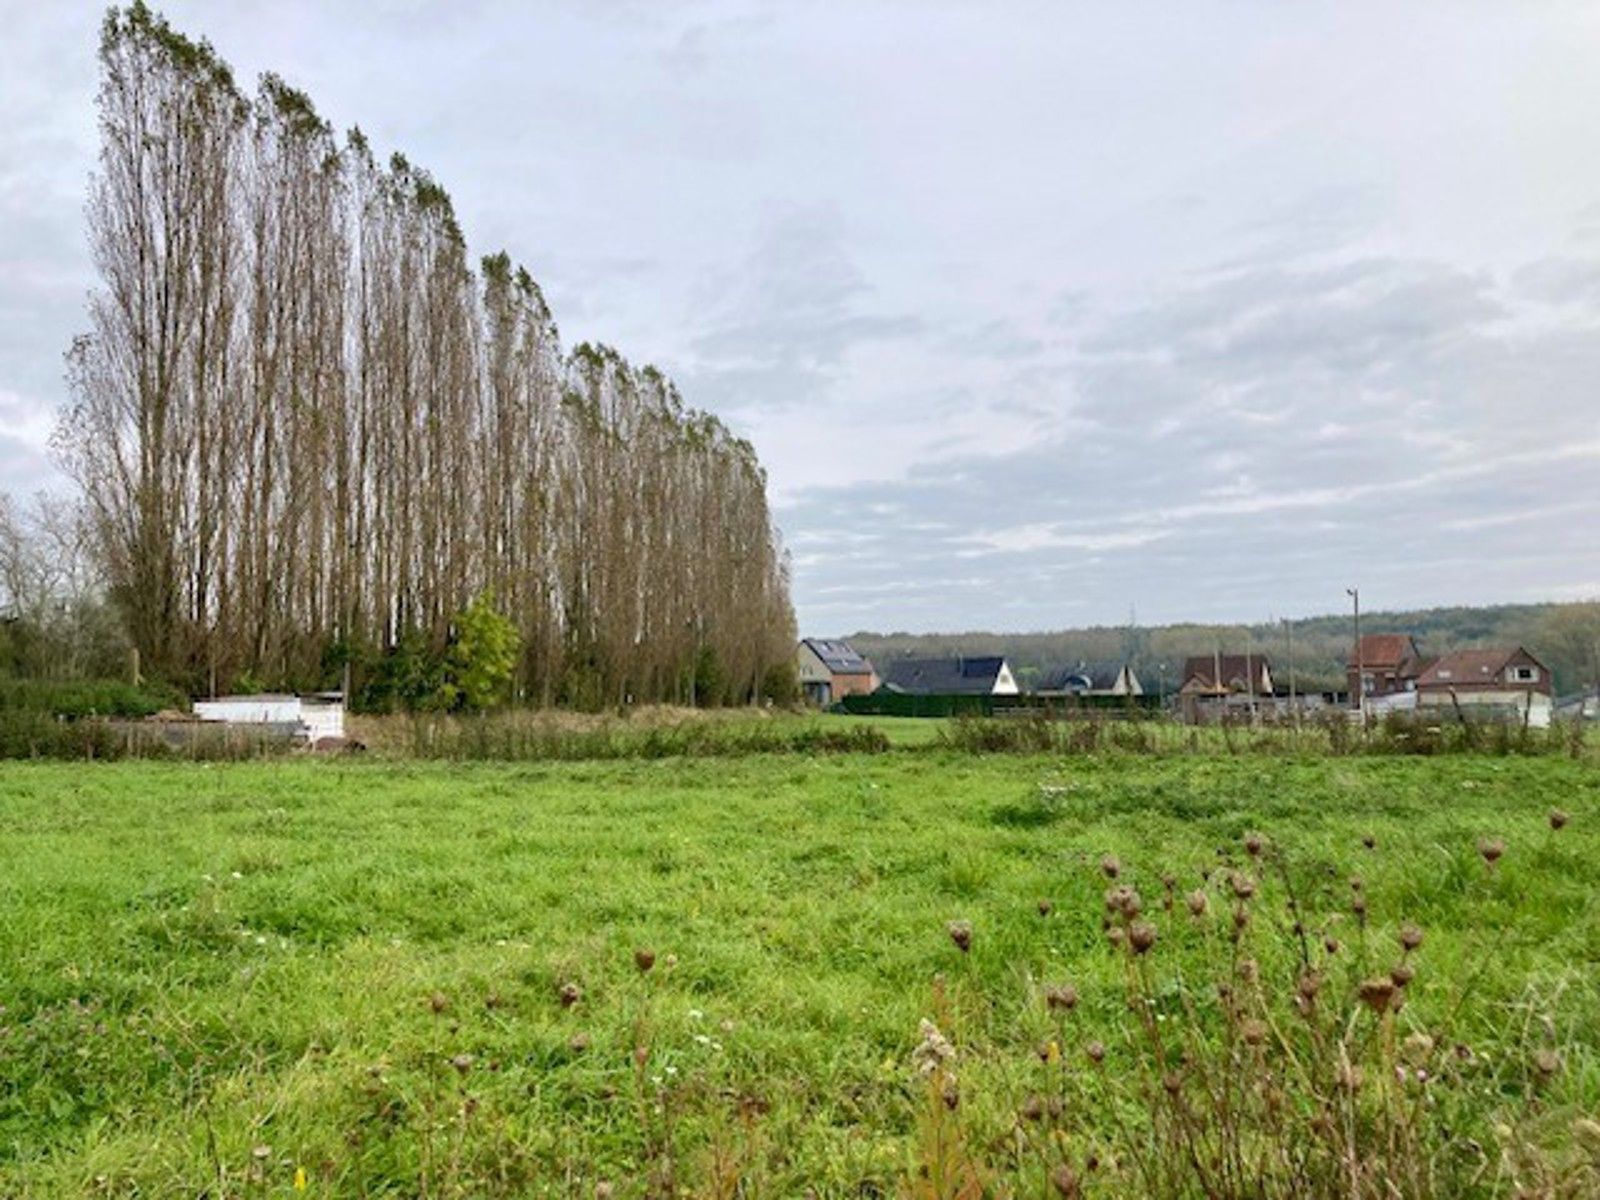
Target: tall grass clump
pixel 1253 1039
pixel 513 737
pixel 34 734
pixel 1332 734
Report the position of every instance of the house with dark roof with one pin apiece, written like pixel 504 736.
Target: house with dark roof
pixel 1384 664
pixel 1090 679
pixel 989 675
pixel 832 670
pixel 1504 682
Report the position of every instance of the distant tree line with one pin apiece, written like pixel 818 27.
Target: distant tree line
pixel 1566 637
pixel 309 435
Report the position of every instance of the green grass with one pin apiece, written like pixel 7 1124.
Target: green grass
pixel 216 974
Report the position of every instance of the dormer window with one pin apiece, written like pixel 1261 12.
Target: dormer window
pixel 1524 674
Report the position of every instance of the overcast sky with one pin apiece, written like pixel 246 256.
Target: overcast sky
pixel 1034 311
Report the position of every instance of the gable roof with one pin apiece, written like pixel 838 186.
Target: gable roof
pixel 1086 676
pixel 1478 666
pixel 1384 650
pixel 839 657
pixel 1240 671
pixel 943 676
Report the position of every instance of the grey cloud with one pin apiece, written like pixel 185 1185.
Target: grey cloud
pixel 1171 500
pixel 1182 325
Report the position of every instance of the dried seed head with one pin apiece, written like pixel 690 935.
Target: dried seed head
pixel 1141 936
pixel 1198 902
pixel 1350 1077
pixel 1558 818
pixel 1331 945
pixel 261 1153
pixel 1065 1182
pixel 578 1043
pixel 438 1002
pixel 1254 1032
pixel 1410 937
pixel 1044 908
pixel 1172 1082
pixel 1309 984
pixel 1061 996
pixel 1169 880
pixel 1241 918
pixel 1355 883
pixel 1116 935
pixel 1096 1052
pixel 951 1095
pixel 1547 1062
pixel 1369 841
pixel 644 959
pixel 1124 900
pixel 961 934
pixel 462 1063
pixel 1249 970
pixel 1243 886
pixel 1252 845
pixel 604 1191
pixel 1401 974
pixel 1377 993
pixel 1359 905
pixel 1111 866
pixel 1033 1108
pixel 1491 849
pixel 569 994
pixel 933 1051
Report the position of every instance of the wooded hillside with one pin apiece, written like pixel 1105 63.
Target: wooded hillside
pixel 1565 636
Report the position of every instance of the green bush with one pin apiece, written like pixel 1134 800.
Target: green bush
pixel 87 698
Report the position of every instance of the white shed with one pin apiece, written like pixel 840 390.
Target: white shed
pixel 310 717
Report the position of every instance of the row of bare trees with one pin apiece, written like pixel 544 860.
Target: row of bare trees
pixel 308 432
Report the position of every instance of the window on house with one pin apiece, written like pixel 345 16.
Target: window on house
pixel 1525 674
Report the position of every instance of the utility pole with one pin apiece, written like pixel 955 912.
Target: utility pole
pixel 1288 637
pixel 1361 667
pixel 1216 679
pixel 1249 674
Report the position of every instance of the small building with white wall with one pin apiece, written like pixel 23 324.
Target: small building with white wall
pixel 313 718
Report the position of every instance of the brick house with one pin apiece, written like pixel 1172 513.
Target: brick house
pixel 830 671
pixel 1499 682
pixel 1386 663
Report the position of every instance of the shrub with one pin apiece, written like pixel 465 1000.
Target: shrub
pixel 86 698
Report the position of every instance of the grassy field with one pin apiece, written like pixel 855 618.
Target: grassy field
pixel 363 978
